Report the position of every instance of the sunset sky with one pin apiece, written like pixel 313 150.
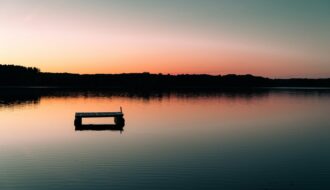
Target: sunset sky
pixel 273 38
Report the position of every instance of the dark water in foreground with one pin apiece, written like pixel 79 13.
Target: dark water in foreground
pixel 274 139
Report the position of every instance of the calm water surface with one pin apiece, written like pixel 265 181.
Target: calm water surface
pixel 277 139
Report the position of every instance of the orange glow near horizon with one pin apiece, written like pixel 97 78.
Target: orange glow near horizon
pixel 175 53
pixel 144 54
pixel 182 62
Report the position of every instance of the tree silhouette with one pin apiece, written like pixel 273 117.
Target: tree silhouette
pixel 12 75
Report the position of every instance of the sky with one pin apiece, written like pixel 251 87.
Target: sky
pixel 272 38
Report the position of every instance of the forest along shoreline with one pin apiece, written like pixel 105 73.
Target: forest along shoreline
pixel 19 76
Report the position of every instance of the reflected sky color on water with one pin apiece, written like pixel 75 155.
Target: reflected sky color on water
pixel 276 139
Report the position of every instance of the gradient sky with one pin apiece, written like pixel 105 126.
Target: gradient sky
pixel 275 38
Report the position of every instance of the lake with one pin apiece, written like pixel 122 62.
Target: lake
pixel 233 139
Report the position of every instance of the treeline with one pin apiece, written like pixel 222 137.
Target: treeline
pixel 11 75
pixel 18 75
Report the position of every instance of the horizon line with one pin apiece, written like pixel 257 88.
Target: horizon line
pixel 161 73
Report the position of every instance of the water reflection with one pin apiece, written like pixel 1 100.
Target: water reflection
pixel 11 97
pixel 229 139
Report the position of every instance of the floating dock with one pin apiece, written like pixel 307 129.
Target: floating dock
pixel 100 127
pixel 118 117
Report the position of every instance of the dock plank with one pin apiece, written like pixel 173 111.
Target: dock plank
pixel 99 114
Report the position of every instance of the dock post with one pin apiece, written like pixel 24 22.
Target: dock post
pixel 78 121
pixel 119 120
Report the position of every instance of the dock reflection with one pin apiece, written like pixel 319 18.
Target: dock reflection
pixel 99 127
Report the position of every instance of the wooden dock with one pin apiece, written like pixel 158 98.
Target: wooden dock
pixel 100 127
pixel 99 114
pixel 118 117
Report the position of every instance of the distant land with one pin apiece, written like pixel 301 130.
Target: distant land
pixel 19 76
